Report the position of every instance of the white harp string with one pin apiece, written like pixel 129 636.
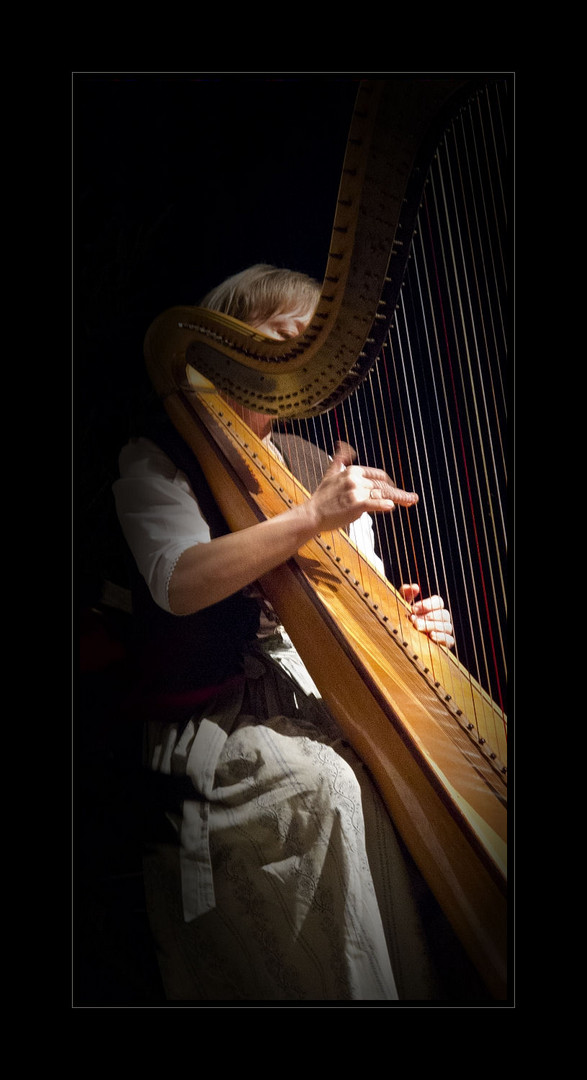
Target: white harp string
pixel 433 410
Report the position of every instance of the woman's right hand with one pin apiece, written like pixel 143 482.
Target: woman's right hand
pixel 208 572
pixel 347 491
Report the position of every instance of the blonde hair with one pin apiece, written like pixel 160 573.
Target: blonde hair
pixel 256 294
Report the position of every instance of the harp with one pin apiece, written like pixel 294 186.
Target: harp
pixel 405 359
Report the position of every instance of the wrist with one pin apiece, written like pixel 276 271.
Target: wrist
pixel 306 521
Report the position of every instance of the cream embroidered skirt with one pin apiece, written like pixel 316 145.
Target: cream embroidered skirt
pixel 275 873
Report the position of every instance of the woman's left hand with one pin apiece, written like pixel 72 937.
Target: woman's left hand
pixel 429 616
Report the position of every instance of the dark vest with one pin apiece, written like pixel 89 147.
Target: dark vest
pixel 181 659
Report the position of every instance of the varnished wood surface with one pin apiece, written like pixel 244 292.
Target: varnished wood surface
pixel 381 184
pixel 432 739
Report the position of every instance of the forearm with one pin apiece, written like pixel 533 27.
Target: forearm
pixel 208 573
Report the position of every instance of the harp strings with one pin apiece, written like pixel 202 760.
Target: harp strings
pixel 447 352
pixel 476 361
pixel 432 412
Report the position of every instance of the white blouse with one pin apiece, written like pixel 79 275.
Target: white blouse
pixel 160 517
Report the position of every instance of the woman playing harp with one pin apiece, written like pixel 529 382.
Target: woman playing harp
pixel 276 873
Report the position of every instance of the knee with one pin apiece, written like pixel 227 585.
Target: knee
pixel 336 780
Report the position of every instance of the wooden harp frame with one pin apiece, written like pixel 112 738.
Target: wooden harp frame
pixel 424 727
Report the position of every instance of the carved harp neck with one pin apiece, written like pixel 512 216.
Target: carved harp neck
pixel 423 362
pixel 392 136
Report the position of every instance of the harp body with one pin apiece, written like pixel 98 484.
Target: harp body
pixel 428 730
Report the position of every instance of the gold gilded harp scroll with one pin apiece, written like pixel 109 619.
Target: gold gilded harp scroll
pixel 427 728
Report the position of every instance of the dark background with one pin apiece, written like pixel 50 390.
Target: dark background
pixel 178 181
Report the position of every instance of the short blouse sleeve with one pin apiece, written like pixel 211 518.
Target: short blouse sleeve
pixel 158 513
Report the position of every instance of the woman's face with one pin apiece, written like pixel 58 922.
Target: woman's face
pixel 280 327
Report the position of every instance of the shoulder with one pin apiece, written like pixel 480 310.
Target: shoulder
pixel 143 458
pixel 147 475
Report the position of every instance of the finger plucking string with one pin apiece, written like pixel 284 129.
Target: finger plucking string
pixel 383 490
